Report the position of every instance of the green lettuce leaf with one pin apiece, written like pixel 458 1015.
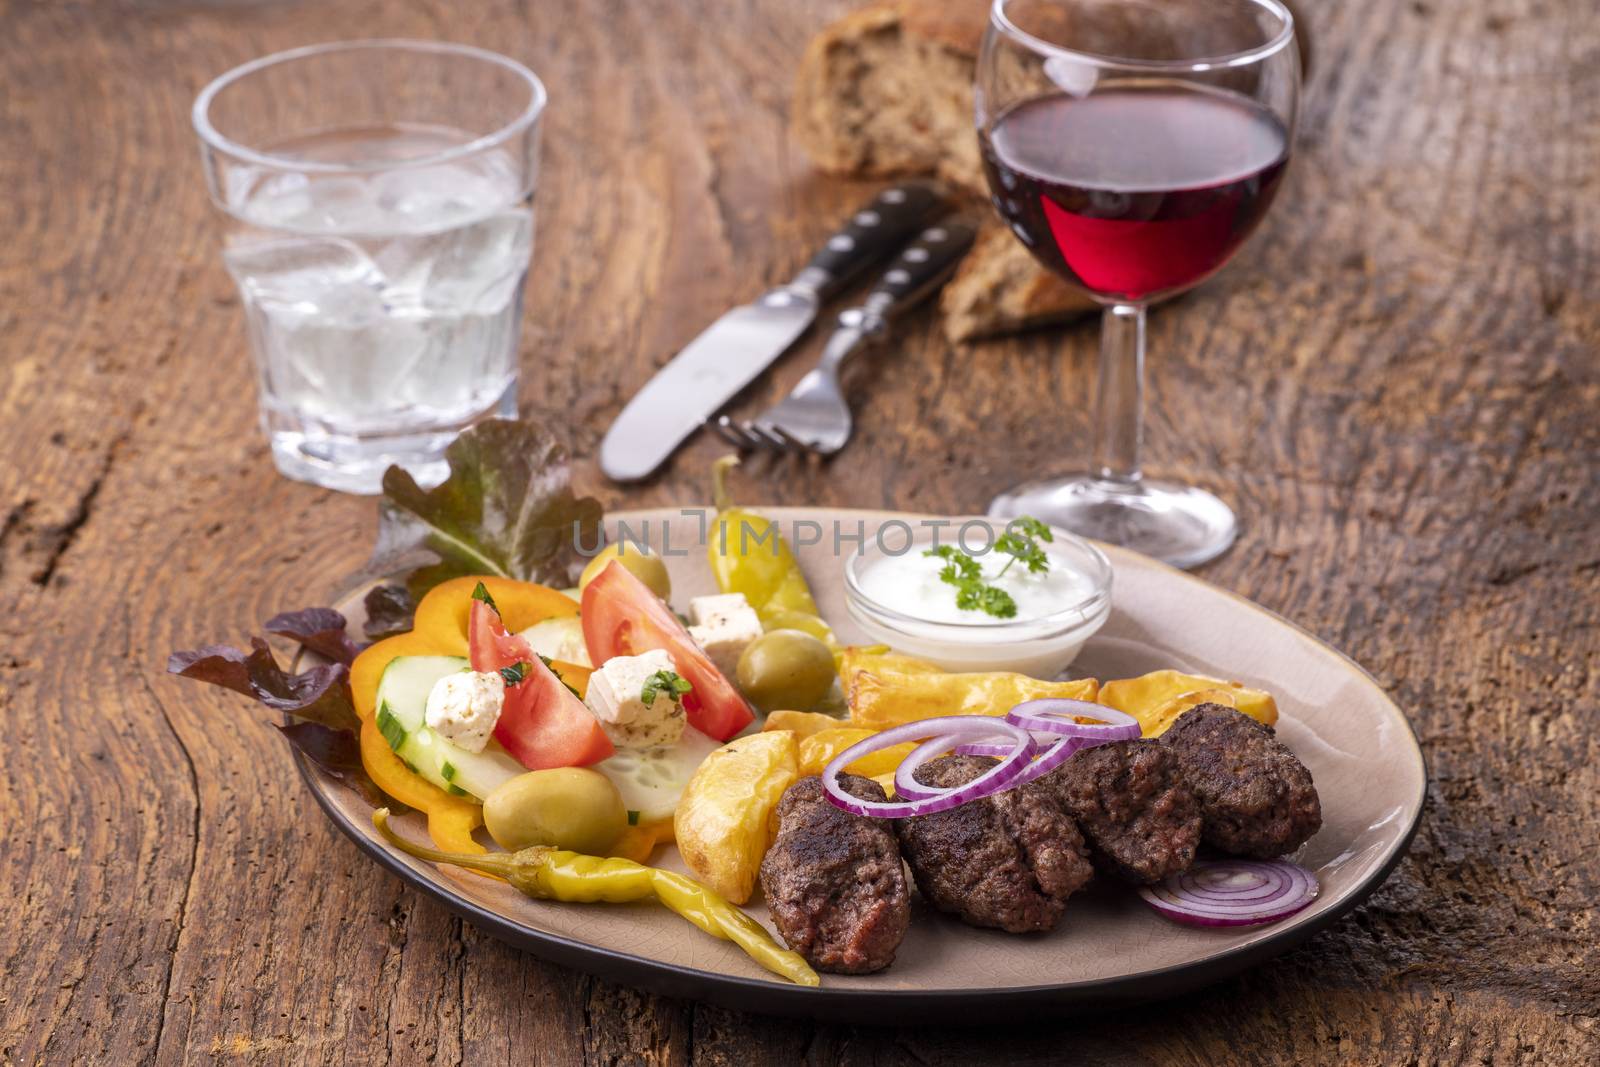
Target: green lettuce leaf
pixel 507 509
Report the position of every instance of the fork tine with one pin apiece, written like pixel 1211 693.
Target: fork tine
pixel 733 433
pixel 792 443
pixel 772 436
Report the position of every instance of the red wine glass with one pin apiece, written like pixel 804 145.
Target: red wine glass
pixel 1132 146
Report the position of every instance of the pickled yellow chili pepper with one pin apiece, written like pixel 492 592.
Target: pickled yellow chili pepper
pixel 555 874
pixel 748 555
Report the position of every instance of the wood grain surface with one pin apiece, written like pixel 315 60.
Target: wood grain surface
pixel 1396 385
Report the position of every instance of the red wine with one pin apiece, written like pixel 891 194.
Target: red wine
pixel 1134 193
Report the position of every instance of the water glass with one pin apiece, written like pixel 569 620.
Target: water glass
pixel 378 197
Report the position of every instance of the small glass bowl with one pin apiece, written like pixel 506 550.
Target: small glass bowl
pixel 1042 647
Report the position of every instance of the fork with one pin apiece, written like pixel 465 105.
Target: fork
pixel 815 417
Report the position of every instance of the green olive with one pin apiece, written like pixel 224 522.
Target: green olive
pixel 786 669
pixel 566 807
pixel 799 620
pixel 645 565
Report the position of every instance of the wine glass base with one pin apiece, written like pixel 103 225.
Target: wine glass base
pixel 1176 524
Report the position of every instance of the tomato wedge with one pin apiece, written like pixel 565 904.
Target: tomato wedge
pixel 622 617
pixel 542 724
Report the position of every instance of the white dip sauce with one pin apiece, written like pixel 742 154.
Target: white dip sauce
pixel 900 601
pixel 910 584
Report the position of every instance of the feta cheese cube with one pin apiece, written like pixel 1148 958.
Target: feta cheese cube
pixel 616 697
pixel 724 626
pixel 705 610
pixel 463 707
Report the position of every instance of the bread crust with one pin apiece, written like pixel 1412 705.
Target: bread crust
pixel 1000 288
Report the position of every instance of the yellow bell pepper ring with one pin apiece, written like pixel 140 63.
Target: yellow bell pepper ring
pixel 451 820
pixel 444 610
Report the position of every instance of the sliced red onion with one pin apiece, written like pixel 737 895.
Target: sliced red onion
pixel 1051 758
pixel 940 734
pixel 906 786
pixel 1233 892
pixel 983 748
pixel 1058 716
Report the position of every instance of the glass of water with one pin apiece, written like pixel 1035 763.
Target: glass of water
pixel 380 224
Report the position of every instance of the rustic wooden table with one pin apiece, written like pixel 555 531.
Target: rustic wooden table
pixel 1396 385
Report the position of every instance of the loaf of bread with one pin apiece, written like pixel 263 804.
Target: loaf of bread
pixel 886 92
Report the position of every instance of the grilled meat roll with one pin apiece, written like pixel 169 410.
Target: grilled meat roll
pixel 1009 860
pixel 1256 798
pixel 834 881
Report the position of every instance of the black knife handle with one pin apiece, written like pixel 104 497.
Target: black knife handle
pixel 920 269
pixel 876 230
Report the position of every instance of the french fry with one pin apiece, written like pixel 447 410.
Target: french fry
pixel 880 698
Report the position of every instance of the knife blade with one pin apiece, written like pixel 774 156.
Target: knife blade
pixel 731 352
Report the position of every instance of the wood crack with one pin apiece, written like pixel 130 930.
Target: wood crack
pixel 188 885
pixel 59 539
pixel 461 990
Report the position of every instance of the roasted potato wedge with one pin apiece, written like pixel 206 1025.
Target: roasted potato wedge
pixel 1158 698
pixel 724 819
pixel 882 698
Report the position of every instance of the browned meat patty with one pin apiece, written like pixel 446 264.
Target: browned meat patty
pixel 834 880
pixel 1008 861
pixel 1256 798
pixel 1130 801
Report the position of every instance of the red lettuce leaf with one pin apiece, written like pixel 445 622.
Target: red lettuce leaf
pixel 327 728
pixel 507 509
pixel 322 630
pixel 390 610
pixel 321 694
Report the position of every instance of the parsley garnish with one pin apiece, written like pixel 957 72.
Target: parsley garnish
pixel 515 673
pixel 1020 542
pixel 666 682
pixel 481 592
pixel 1023 544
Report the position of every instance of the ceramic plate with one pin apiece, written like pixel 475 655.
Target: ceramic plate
pixel 1109 948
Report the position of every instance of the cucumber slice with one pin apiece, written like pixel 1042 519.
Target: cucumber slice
pixel 652 779
pixel 560 639
pixel 402 718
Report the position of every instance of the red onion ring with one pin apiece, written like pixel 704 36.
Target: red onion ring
pixel 906 785
pixel 1051 758
pixel 983 748
pixel 942 732
pixel 1053 722
pixel 1233 892
pixel 1059 715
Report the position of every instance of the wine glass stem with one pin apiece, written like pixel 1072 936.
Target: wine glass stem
pixel 1119 400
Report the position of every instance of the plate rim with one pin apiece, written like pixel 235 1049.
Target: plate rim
pixel 776 996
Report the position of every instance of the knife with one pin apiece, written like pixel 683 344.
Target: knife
pixel 815 416
pixel 732 351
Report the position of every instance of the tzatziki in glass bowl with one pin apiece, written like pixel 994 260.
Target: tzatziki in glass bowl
pixel 1035 624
